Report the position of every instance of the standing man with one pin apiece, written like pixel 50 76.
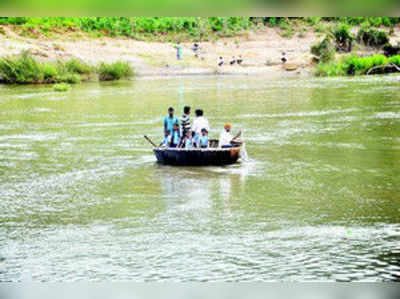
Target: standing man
pixel 200 122
pixel 170 120
pixel 185 120
pixel 178 51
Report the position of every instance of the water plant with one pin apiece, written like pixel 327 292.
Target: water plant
pixel 61 87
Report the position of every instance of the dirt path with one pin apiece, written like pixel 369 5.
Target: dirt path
pixel 261 53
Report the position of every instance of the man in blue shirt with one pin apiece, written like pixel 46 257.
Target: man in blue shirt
pixel 170 120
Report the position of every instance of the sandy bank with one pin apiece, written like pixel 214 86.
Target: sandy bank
pixel 261 53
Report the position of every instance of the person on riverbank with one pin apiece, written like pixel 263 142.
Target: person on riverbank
pixel 226 138
pixel 203 140
pixel 175 137
pixel 200 122
pixel 185 120
pixel 178 48
pixel 170 120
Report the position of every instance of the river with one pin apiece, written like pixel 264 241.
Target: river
pixel 82 198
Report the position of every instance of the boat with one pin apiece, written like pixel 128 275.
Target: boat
pixel 213 155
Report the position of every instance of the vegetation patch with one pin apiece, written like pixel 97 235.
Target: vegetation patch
pixel 115 71
pixel 25 69
pixel 354 65
pixel 324 50
pixel 372 37
pixel 61 87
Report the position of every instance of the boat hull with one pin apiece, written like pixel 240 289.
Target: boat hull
pixel 197 157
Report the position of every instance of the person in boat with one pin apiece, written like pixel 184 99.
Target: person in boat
pixel 203 140
pixel 170 120
pixel 200 122
pixel 187 141
pixel 226 139
pixel 167 139
pixel 185 121
pixel 175 136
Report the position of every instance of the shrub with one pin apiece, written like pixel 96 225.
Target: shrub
pixel 69 78
pixel 20 69
pixel 78 67
pixel 372 37
pixel 343 37
pixel 61 87
pixel 114 71
pixel 324 50
pixel 391 50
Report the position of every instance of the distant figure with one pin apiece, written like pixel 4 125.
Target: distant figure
pixel 233 61
pixel 167 139
pixel 178 51
pixel 203 140
pixel 196 49
pixel 170 120
pixel 175 136
pixel 239 60
pixel 221 61
pixel 199 123
pixel 283 59
pixel 226 138
pixel 185 120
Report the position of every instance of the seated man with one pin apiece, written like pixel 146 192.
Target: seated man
pixel 175 137
pixel 226 138
pixel 203 140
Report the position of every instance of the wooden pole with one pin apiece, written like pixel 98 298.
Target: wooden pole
pixel 149 140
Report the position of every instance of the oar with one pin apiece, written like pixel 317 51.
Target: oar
pixel 149 140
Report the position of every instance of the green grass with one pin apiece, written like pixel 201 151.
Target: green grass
pixel 25 69
pixel 354 65
pixel 115 71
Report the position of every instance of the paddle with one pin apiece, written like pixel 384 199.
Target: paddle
pixel 149 140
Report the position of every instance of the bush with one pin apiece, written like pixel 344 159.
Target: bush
pixel 114 71
pixel 61 87
pixel 21 69
pixel 24 69
pixel 324 50
pixel 78 67
pixel 372 37
pixel 343 37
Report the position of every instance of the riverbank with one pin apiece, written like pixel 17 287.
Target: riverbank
pixel 261 51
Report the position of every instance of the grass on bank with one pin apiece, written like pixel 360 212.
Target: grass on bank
pixel 61 87
pixel 354 65
pixel 25 69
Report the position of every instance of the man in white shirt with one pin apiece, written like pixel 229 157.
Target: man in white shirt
pixel 200 122
pixel 226 138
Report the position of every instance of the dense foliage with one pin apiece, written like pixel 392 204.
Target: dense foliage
pixel 324 50
pixel 114 71
pixel 189 27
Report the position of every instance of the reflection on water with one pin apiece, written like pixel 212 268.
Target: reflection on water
pixel 316 199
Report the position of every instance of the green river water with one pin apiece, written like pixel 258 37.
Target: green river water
pixel 318 199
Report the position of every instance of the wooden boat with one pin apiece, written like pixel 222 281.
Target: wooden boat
pixel 198 156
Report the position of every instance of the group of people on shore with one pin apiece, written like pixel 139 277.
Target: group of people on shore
pixel 184 134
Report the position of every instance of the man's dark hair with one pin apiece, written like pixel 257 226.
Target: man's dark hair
pixel 170 109
pixel 199 112
pixel 186 109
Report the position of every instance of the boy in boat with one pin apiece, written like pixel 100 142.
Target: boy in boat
pixel 170 120
pixel 226 138
pixel 187 141
pixel 167 139
pixel 175 136
pixel 185 121
pixel 203 140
